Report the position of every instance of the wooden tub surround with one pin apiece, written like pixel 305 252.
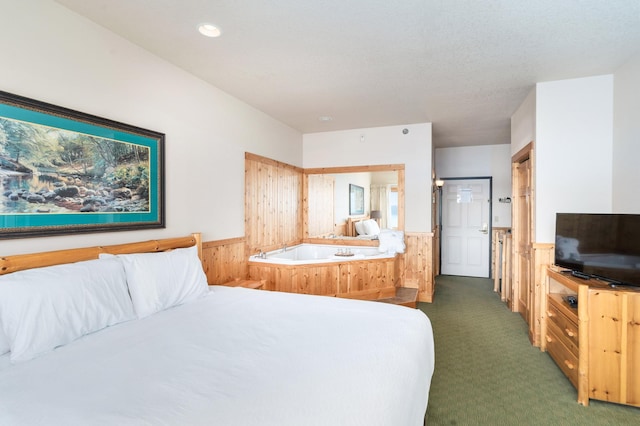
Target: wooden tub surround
pixel 374 279
pixel 278 212
pixel 327 279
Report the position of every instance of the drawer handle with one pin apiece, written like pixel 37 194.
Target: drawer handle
pixel 549 339
pixel 569 365
pixel 570 333
pixel 550 314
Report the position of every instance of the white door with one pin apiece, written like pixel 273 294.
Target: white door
pixel 466 227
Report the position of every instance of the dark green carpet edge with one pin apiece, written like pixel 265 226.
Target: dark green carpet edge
pixel 487 372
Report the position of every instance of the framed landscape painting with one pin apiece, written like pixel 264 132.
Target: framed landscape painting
pixel 64 172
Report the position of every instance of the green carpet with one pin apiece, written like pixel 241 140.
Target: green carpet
pixel 487 372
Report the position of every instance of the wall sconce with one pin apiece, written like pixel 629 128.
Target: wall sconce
pixel 438 184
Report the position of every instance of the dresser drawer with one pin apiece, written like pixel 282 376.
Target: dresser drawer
pixel 566 360
pixel 561 335
pixel 567 327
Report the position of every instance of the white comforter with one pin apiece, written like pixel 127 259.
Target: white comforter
pixel 236 357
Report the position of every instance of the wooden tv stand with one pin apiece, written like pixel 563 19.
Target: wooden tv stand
pixel 597 343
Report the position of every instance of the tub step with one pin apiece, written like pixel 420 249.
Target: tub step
pixel 404 296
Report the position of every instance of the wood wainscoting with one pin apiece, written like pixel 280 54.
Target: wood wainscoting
pixel 327 279
pixel 224 260
pixel 417 264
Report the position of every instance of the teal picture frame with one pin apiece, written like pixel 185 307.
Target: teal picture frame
pixel 67 172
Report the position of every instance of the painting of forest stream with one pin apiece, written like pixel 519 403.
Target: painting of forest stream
pixel 71 171
pixel 64 172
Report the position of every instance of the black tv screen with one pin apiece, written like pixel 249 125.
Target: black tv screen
pixel 605 246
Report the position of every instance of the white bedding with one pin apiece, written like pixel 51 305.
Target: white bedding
pixel 235 357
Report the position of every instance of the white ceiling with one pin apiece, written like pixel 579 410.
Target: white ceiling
pixel 464 65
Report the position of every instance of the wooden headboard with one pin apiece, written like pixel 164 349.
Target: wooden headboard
pixel 21 262
pixel 351 225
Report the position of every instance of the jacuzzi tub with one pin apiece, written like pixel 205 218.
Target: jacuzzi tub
pixel 319 253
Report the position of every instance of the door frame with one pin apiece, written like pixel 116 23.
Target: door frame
pixel 526 153
pixel 490 178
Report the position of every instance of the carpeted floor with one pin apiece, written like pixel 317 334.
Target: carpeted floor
pixel 487 372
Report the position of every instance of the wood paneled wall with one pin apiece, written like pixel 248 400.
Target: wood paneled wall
pixel 273 203
pixel 419 259
pixel 309 279
pixel 327 279
pixel 224 260
pixel 319 210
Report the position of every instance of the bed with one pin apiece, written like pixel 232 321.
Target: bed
pixel 362 227
pixel 220 355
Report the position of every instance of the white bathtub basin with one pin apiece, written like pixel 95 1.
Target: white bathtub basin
pixel 319 253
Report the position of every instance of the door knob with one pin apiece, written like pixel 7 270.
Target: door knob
pixel 485 228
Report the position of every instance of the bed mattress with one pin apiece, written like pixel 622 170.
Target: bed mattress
pixel 235 357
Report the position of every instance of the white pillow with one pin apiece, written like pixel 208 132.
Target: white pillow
pixel 391 241
pixel 158 281
pixel 4 342
pixel 371 227
pixel 360 227
pixel 43 308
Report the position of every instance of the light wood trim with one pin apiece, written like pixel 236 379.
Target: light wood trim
pixel 355 169
pixel 523 154
pixel 21 262
pixel 417 267
pixel 272 162
pixel 525 272
pixel 218 243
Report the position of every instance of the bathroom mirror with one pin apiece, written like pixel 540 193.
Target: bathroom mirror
pixel 329 196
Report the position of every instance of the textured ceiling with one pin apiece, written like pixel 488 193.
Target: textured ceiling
pixel 464 65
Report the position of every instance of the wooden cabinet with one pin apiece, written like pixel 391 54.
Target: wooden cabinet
pixel 597 343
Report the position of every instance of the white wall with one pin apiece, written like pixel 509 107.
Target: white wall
pixel 573 149
pixel 382 145
pixel 523 123
pixel 53 55
pixel 626 137
pixel 481 161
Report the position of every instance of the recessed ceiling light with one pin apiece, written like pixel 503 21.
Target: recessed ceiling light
pixel 209 30
pixel 325 118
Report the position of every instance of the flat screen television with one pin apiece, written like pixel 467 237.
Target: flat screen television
pixel 605 246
